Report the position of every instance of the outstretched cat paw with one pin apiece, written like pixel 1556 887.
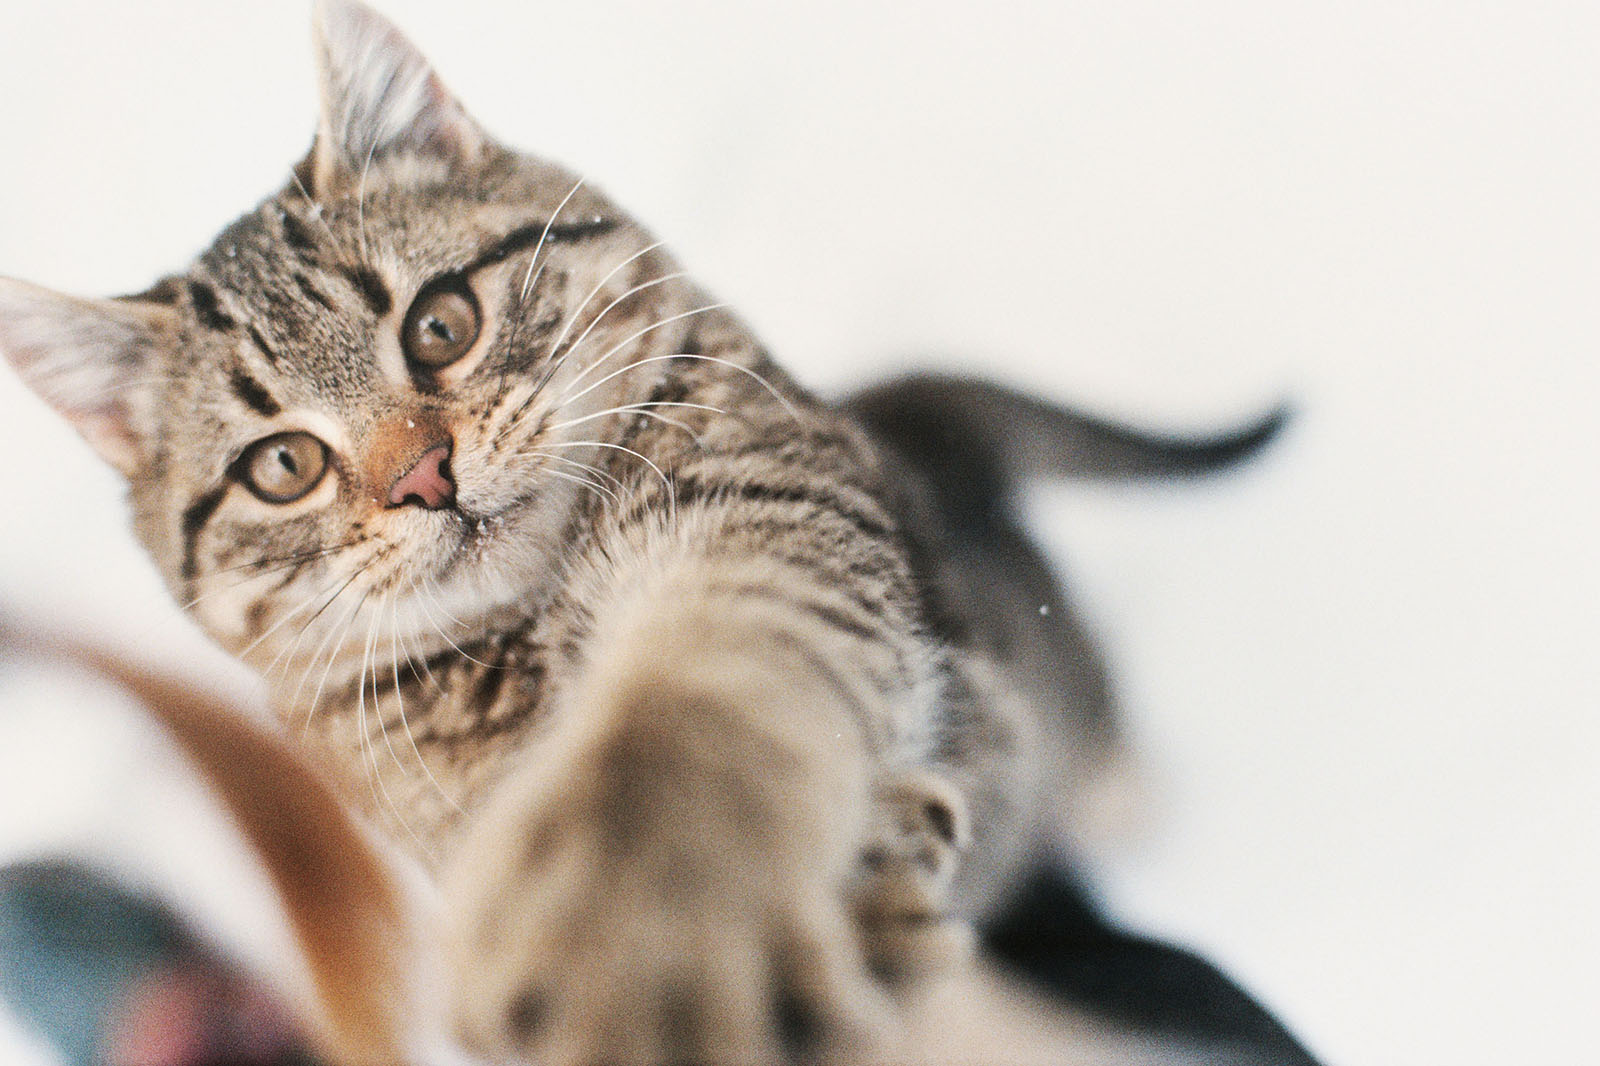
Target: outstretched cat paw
pixel 901 894
pixel 666 887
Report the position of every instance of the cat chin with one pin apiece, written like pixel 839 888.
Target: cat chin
pixel 502 561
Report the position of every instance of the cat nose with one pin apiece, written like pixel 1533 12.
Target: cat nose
pixel 427 483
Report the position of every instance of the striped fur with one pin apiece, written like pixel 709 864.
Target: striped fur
pixel 692 653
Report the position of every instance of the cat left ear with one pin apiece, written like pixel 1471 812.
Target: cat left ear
pixel 380 97
pixel 86 358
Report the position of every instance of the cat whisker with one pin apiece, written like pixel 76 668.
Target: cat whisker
pixel 288 658
pixel 307 602
pixel 416 655
pixel 615 492
pixel 351 580
pixel 585 482
pixel 423 600
pixel 279 624
pixel 316 208
pixel 604 475
pixel 560 357
pixel 666 482
pixel 336 646
pixel 558 360
pixel 793 411
pixel 233 586
pixel 529 281
pixel 645 409
pixel 586 371
pixel 526 285
pixel 577 309
pixel 361 204
pixel 297 557
pixel 368 745
pixel 342 628
pixel 400 702
pixel 428 586
pixel 266 567
pixel 361 713
pixel 379 721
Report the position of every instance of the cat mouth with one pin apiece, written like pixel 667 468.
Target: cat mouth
pixel 478 532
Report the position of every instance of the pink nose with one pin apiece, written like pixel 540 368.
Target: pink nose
pixel 427 483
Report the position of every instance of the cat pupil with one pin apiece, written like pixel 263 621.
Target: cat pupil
pixel 284 467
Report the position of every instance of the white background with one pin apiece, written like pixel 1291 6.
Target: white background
pixel 1361 672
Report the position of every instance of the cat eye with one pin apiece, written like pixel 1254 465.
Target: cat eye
pixel 442 324
pixel 284 467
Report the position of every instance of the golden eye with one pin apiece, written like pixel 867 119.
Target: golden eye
pixel 442 324
pixel 284 467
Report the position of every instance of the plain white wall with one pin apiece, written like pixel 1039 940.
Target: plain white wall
pixel 1362 672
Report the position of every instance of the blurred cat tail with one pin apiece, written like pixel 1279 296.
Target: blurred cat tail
pixel 983 439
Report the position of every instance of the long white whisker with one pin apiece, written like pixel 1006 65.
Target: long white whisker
pixel 530 281
pixel 617 487
pixel 394 648
pixel 316 653
pixel 361 204
pixel 333 655
pixel 585 482
pixel 279 624
pixel 527 280
pixel 613 447
pixel 316 208
pixel 423 600
pixel 368 745
pixel 295 644
pixel 362 738
pixel 641 408
pixel 666 482
pixel 438 602
pixel 283 562
pixel 377 705
pixel 561 357
pixel 415 653
pixel 589 468
pixel 572 319
pixel 586 371
pixel 763 382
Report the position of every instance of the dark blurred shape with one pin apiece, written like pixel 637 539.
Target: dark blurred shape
pixel 1053 936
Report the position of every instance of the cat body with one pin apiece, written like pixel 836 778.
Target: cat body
pixel 717 707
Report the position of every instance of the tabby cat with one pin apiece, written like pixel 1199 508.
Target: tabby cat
pixel 693 688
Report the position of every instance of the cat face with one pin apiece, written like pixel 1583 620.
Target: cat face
pixel 382 393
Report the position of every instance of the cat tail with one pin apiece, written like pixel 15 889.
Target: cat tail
pixel 980 439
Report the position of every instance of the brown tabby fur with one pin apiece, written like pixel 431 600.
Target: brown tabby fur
pixel 662 694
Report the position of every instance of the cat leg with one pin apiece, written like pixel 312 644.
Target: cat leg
pixel 665 878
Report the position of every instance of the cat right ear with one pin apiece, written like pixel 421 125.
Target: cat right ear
pixel 87 358
pixel 380 97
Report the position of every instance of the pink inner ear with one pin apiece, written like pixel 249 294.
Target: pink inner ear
pixel 110 436
pixel 194 1014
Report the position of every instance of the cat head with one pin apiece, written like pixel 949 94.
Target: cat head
pixel 378 390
